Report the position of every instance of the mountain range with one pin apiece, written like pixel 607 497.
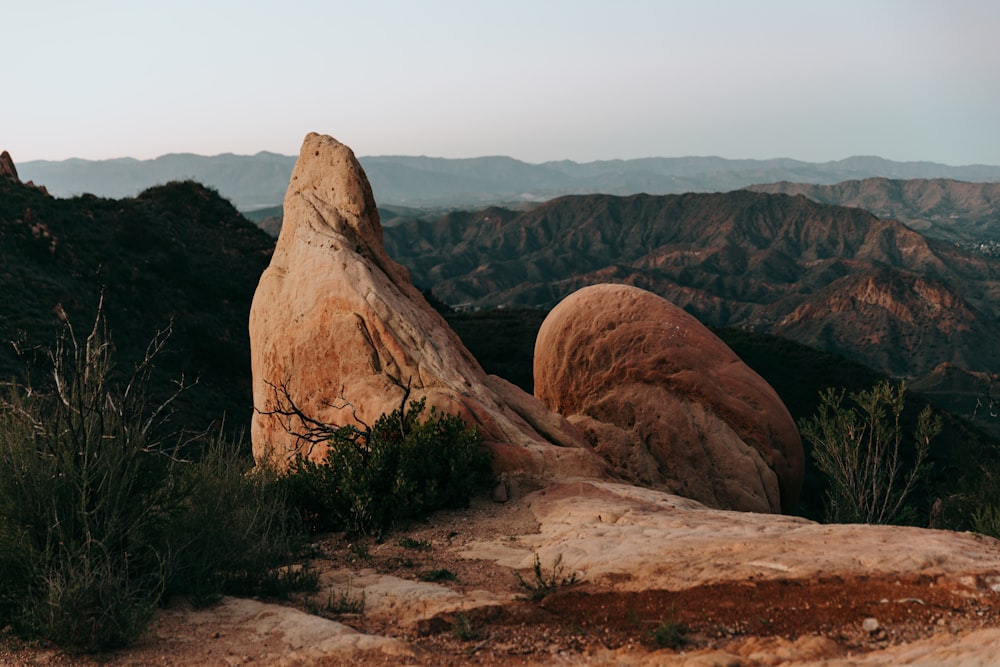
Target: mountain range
pixel 835 278
pixel 258 181
pixel 958 211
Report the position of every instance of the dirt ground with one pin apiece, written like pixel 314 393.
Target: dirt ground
pixel 574 622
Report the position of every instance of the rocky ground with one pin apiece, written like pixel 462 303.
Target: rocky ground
pixel 626 576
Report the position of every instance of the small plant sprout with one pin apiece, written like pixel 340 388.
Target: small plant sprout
pixel 415 544
pixel 670 634
pixel 542 585
pixel 464 628
pixel 345 602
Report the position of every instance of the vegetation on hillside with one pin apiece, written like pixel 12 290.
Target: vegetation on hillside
pixel 105 511
pixel 176 253
pixel 831 277
pixel 503 341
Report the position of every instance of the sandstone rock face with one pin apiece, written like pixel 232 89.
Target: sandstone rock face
pixel 336 323
pixel 7 169
pixel 666 402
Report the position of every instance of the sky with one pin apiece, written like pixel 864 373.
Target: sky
pixel 537 80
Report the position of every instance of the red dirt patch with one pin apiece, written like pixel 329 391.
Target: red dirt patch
pixel 582 622
pixel 905 607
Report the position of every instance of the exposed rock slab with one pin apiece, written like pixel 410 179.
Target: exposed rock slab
pixel 240 631
pixel 667 402
pixel 336 324
pixel 662 541
pixel 618 538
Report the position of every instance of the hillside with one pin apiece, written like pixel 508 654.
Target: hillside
pixel 176 254
pixel 259 181
pixel 953 210
pixel 838 279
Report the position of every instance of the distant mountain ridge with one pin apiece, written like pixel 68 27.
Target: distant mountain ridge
pixel 248 181
pixel 257 181
pixel 838 279
pixel 943 208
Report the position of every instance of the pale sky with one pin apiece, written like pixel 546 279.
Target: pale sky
pixel 534 79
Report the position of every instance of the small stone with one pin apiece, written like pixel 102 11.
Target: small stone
pixel 870 625
pixel 500 493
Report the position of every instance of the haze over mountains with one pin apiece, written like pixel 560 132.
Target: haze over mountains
pixel 257 181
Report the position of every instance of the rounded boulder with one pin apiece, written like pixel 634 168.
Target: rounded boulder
pixel 666 402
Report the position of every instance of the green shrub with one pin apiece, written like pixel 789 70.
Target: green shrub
pixel 234 530
pixel 978 507
pixel 860 449
pixel 102 513
pixel 985 520
pixel 399 468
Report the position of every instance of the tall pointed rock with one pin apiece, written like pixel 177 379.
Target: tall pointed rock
pixel 337 325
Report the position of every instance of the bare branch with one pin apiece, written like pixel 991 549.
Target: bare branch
pixel 310 431
pixel 402 403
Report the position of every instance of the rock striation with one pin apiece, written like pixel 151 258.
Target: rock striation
pixel 666 402
pixel 338 331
